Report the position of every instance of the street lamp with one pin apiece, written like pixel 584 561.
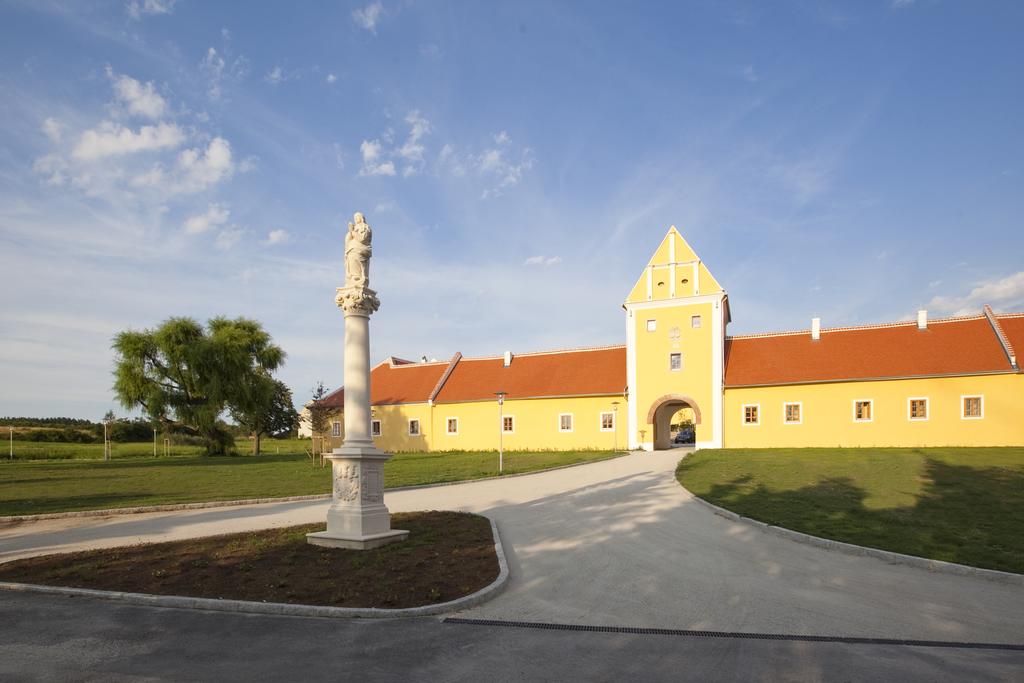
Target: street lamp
pixel 615 426
pixel 501 430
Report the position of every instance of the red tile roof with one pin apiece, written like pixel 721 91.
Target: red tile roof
pixel 1013 328
pixel 404 382
pixel 583 372
pixel 952 346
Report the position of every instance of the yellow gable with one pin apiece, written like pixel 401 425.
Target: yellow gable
pixel 674 271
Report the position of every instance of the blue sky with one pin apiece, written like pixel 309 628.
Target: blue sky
pixel 518 163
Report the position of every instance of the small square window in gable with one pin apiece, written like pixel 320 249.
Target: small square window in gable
pixel 695 321
pixel 675 362
pixel 652 325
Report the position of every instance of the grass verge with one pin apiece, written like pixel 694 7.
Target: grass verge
pixel 448 555
pixel 963 505
pixel 68 485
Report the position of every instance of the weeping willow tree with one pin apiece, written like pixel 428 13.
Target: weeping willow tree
pixel 184 375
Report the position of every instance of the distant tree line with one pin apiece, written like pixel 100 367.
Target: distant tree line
pixel 46 422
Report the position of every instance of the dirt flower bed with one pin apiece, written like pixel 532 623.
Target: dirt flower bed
pixel 448 555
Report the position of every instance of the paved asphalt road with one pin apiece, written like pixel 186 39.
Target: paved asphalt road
pixel 615 544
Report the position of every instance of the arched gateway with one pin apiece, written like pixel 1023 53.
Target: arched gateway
pixel 660 417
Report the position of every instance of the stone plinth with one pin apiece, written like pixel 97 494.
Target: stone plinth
pixel 357 517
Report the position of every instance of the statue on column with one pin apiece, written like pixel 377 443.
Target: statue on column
pixel 356 296
pixel 358 252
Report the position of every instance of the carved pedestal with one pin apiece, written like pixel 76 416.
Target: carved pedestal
pixel 358 517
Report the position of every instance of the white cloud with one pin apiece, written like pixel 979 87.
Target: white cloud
pixel 220 69
pixel 1005 294
pixel 749 74
pixel 331 78
pixel 496 164
pixel 278 75
pixel 545 261
pixel 412 150
pixel 213 216
pixel 901 4
pixel 137 8
pixel 367 17
pixel 52 129
pixel 112 139
pixel 228 238
pixel 203 168
pixel 372 164
pixel 141 99
pixel 276 237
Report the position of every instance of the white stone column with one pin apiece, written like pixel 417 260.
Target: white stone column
pixel 357 517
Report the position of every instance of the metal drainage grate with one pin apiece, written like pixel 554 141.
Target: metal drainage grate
pixel 728 634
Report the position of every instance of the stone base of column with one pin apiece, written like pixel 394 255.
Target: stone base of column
pixel 358 518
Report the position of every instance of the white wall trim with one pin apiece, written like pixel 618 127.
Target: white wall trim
pixel 447 431
pixel 631 414
pixel 853 408
pixel 972 417
pixel 792 403
pixel 927 409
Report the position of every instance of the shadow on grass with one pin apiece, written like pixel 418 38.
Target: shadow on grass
pixel 964 514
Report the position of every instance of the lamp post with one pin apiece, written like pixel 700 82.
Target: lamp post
pixel 12 443
pixel 154 442
pixel 501 430
pixel 615 426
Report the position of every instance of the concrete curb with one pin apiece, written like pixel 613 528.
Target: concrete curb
pixel 246 607
pixel 851 549
pixel 109 512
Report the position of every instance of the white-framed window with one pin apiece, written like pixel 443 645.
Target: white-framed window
pixel 972 407
pixel 608 422
pixel 863 410
pixel 917 408
pixel 374 427
pixel 752 414
pixel 508 424
pixel 414 427
pixel 452 425
pixel 675 361
pixel 335 428
pixel 652 325
pixel 793 413
pixel 695 321
pixel 565 422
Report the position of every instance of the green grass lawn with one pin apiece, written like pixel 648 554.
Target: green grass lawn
pixel 962 505
pixel 59 486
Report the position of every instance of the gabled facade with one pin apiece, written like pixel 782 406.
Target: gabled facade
pixel 675 346
pixel 943 382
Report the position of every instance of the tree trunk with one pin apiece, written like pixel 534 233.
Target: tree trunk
pixel 256 443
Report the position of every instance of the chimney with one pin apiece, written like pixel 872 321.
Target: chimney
pixel 815 329
pixel 922 319
pixel 508 358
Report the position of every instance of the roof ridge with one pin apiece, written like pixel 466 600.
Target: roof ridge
pixel 1001 335
pixel 867 326
pixel 578 349
pixel 445 375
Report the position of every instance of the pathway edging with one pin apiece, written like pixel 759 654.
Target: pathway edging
pixel 853 549
pixel 172 507
pixel 245 606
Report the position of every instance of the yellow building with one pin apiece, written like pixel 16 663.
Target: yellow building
pixel 951 381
